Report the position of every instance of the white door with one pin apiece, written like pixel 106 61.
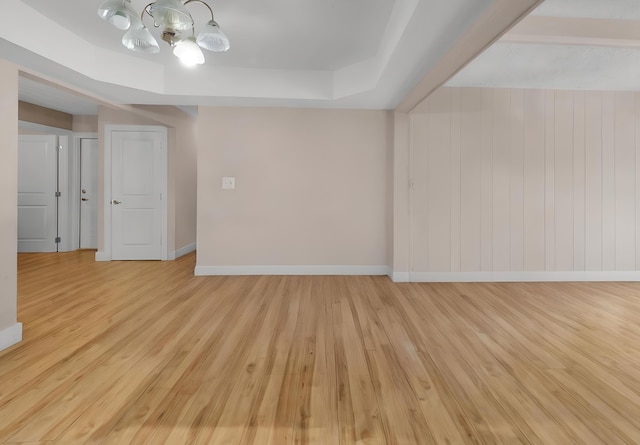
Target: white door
pixel 88 193
pixel 37 186
pixel 136 195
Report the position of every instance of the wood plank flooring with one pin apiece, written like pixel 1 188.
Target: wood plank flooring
pixel 146 353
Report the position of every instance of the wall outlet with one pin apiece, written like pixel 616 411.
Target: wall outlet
pixel 228 183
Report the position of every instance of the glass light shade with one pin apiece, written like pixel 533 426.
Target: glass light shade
pixel 212 38
pixel 171 14
pixel 189 52
pixel 139 39
pixel 117 12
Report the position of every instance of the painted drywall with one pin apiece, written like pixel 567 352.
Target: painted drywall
pixel 183 161
pixel 401 193
pixel 310 189
pixel 389 192
pixel 44 116
pixel 526 180
pixel 85 123
pixel 181 165
pixel 9 187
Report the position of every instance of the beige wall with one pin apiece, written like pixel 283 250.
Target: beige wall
pixel 183 162
pixel 526 180
pixel 181 165
pixel 389 192
pixel 310 187
pixel 400 210
pixel 9 187
pixel 44 116
pixel 85 123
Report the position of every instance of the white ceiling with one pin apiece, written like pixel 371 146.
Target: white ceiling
pixel 47 96
pixel 279 34
pixel 598 49
pixel 331 53
pixel 349 54
pixel 553 67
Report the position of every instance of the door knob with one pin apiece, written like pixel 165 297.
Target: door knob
pixel 116 202
pixel 85 199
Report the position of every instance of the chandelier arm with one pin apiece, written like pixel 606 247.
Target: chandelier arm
pixel 146 9
pixel 200 1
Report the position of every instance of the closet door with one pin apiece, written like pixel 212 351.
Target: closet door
pixel 37 187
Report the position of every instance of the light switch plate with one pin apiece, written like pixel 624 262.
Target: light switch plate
pixel 228 183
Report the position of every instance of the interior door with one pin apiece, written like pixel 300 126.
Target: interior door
pixel 88 193
pixel 37 187
pixel 136 195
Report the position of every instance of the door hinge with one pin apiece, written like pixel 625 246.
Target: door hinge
pixel 58 194
pixel 58 240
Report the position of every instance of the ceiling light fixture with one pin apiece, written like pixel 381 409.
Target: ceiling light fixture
pixel 176 25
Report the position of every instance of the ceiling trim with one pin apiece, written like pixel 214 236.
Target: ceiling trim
pixel 576 31
pixel 501 16
pixel 366 74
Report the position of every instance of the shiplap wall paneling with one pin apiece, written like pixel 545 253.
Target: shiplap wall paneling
pixel 637 144
pixel 593 181
pixel 534 180
pixel 471 180
pixel 625 181
pixel 526 180
pixel 486 172
pixel 439 181
pixel 501 179
pixel 455 176
pixel 516 182
pixel 608 183
pixel 563 180
pixel 579 181
pixel 549 181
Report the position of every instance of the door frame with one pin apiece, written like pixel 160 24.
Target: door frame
pixel 74 191
pixel 106 253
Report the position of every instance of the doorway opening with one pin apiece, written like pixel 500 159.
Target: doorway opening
pixel 88 196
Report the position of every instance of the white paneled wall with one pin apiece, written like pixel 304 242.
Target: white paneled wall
pixel 525 182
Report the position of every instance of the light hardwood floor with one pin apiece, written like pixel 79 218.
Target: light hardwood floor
pixel 146 353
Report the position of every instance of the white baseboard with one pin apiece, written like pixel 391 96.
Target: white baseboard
pixel 185 250
pixel 504 277
pixel 400 277
pixel 291 270
pixel 10 336
pixel 102 256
